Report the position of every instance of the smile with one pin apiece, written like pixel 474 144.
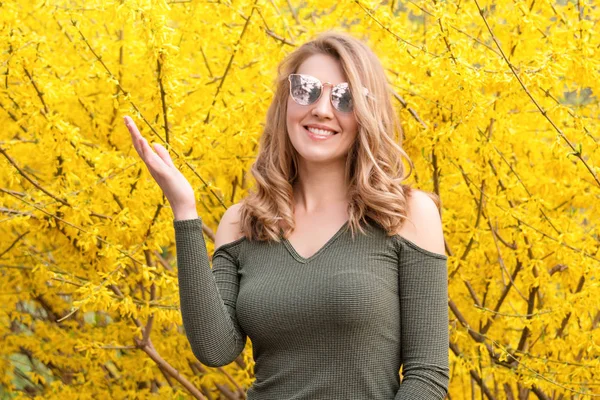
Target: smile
pixel 319 134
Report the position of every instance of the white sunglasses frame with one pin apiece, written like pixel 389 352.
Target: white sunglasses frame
pixel 323 84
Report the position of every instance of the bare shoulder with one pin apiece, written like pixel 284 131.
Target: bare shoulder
pixel 424 224
pixel 229 226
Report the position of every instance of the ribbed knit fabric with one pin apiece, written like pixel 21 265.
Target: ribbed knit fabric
pixel 336 325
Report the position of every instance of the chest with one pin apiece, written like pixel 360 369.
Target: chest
pixel 311 236
pixel 345 286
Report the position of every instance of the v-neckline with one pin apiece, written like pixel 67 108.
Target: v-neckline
pixel 305 260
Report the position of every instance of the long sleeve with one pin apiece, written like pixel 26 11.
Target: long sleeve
pixel 423 291
pixel 208 298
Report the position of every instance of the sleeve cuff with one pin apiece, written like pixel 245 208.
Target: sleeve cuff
pixel 187 223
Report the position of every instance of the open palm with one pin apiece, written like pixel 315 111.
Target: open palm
pixel 176 188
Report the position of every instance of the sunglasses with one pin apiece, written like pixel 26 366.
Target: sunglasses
pixel 306 90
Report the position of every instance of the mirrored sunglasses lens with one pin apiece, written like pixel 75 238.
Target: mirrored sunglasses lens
pixel 304 90
pixel 341 97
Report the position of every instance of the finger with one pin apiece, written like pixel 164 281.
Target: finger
pixel 164 154
pixel 140 146
pixel 134 132
pixel 143 148
pixel 150 157
pixel 131 125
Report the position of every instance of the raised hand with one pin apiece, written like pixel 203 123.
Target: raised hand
pixel 176 188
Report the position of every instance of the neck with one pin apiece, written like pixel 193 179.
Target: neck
pixel 320 187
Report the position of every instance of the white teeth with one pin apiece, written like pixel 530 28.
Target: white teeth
pixel 320 132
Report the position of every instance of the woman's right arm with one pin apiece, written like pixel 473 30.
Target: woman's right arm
pixel 207 297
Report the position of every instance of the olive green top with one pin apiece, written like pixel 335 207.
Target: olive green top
pixel 336 325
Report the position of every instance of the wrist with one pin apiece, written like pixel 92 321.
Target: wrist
pixel 183 213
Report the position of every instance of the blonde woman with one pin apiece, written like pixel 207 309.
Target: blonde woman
pixel 332 266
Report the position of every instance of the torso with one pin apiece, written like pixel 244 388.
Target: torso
pixel 324 326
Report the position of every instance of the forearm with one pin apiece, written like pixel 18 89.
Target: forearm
pixel 211 330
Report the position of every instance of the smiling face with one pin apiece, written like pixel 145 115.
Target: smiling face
pixel 319 132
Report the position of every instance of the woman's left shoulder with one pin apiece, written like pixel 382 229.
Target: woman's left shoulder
pixel 424 224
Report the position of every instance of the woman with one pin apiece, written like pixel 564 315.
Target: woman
pixel 333 268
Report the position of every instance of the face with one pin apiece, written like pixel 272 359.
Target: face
pixel 306 124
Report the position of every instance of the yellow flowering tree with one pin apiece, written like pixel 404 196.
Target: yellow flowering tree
pixel 499 103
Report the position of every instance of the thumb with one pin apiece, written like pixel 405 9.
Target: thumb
pixel 163 154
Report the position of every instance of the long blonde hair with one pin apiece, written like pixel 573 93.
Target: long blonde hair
pixel 374 169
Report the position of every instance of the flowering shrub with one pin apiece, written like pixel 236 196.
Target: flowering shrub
pixel 499 103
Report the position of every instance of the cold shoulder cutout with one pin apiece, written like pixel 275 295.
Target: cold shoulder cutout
pixel 419 249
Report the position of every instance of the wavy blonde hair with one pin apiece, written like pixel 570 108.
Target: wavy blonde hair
pixel 374 169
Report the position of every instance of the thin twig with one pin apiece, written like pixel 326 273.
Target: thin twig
pixel 512 277
pixel 281 39
pixel 148 328
pixel 37 90
pixel 230 63
pixel 514 315
pixel 410 110
pixel 421 48
pixel 446 42
pixel 13 243
pixel 294 13
pixel 206 62
pixel 570 111
pixel 31 180
pixel 162 261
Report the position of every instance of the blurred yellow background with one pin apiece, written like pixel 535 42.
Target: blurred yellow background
pixel 500 112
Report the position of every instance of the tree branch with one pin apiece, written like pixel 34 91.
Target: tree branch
pixel 163 96
pixel 31 180
pixel 168 368
pixel 473 373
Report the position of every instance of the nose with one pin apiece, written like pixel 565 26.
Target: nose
pixel 323 107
